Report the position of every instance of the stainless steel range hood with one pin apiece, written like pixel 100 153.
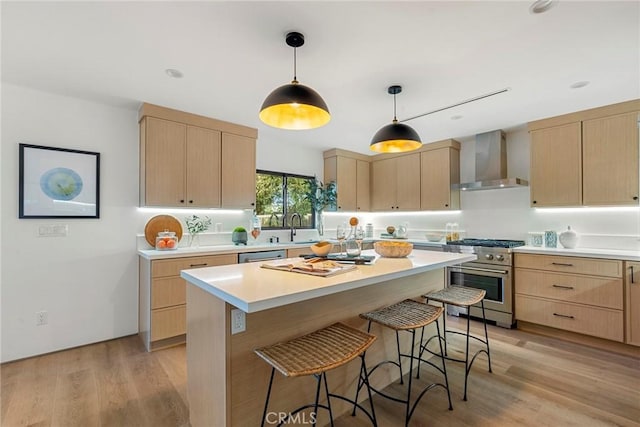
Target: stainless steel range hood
pixel 491 164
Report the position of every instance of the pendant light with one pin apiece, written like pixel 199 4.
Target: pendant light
pixel 294 106
pixel 395 137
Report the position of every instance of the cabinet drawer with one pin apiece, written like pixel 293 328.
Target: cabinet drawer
pixel 168 291
pixel 563 264
pixel 598 291
pixel 599 322
pixel 168 322
pixel 172 267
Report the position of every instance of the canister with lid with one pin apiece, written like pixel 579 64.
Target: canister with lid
pixel 166 241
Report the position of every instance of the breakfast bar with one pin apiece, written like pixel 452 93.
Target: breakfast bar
pixel 227 382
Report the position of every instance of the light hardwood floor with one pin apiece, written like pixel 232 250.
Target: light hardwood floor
pixel 536 381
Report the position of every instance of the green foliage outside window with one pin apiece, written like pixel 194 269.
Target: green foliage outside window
pixel 278 195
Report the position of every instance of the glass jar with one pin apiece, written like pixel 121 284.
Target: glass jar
pixel 166 241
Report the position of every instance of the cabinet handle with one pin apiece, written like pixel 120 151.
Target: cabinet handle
pixel 204 264
pixel 535 201
pixel 181 200
pixel 253 204
pixel 446 205
pixel 635 197
pixel 563 315
pixel 339 207
pixel 190 201
pixel 563 287
pixel 562 264
pixel 632 281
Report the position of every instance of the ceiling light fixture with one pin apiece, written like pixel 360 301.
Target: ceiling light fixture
pixel 395 137
pixel 294 106
pixel 541 6
pixel 578 85
pixel 176 74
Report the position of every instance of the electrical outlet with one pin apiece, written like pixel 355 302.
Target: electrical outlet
pixel 42 318
pixel 238 321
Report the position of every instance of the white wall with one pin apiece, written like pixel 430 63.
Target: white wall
pixel 87 281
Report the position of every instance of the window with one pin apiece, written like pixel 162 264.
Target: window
pixel 280 195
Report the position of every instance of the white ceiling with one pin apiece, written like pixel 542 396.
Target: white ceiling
pixel 233 54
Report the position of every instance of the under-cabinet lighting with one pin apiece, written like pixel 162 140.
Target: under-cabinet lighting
pixel 414 213
pixel 588 209
pixel 191 211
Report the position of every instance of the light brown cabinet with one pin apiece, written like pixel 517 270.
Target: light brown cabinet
pixel 439 169
pixel 586 158
pixel 162 297
pixel 610 160
pixel 350 172
pixel 238 172
pixel 581 295
pixel 396 183
pixel 194 161
pixel 556 166
pixel 632 302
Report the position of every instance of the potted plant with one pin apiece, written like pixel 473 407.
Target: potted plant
pixel 239 236
pixel 322 196
pixel 195 225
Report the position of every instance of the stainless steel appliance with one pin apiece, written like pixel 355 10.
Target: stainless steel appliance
pixel 492 271
pixel 245 257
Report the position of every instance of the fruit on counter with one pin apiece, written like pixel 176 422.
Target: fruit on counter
pixel 353 221
pixel 391 229
pixel 171 244
pixel 161 244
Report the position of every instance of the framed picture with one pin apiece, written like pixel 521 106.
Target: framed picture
pixel 58 183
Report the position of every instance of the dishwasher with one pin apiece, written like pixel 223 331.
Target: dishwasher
pixel 261 256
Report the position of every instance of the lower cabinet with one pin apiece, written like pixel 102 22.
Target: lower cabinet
pixel 632 299
pixel 580 295
pixel 162 300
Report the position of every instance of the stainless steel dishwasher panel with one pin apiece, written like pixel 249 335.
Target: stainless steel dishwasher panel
pixel 245 257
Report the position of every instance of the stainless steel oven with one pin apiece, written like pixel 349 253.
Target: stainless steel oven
pixel 497 281
pixel 492 271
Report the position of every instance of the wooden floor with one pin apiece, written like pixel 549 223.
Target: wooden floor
pixel 536 381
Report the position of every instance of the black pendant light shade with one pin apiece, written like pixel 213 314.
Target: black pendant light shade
pixel 294 106
pixel 395 137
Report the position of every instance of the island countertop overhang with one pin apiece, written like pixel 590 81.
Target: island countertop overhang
pixel 252 288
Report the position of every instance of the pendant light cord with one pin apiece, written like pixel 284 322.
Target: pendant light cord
pixel 295 70
pixel 395 119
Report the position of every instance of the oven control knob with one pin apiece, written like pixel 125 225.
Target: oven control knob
pixel 500 257
pixel 489 256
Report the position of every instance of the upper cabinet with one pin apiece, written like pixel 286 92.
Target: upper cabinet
pixel 350 172
pixel 610 160
pixel 194 161
pixel 586 158
pixel 396 183
pixel 556 166
pixel 439 170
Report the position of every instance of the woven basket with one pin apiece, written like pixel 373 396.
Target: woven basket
pixel 393 249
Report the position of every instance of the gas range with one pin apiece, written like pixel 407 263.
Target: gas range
pixel 489 251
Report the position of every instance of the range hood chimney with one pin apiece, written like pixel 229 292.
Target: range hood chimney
pixel 491 164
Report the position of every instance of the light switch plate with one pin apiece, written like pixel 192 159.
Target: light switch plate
pixel 53 230
pixel 238 321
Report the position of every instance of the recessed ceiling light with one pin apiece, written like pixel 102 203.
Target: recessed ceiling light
pixel 541 6
pixel 456 117
pixel 578 85
pixel 176 74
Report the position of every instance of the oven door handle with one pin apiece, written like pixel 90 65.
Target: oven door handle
pixel 485 270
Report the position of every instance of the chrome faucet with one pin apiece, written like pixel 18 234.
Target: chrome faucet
pixel 293 226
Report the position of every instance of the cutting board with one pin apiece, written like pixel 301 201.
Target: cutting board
pixel 160 223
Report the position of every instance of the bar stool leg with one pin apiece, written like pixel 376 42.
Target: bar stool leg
pixel 444 366
pixel 315 407
pixel 365 375
pixel 486 335
pixel 444 328
pixel 266 403
pixel 408 405
pixel 466 357
pixel 399 358
pixel 326 390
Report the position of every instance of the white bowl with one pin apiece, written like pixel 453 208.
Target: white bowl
pixel 434 237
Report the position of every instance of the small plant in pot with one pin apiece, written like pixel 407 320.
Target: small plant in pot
pixel 239 236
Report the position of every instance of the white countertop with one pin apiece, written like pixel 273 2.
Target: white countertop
pixel 252 288
pixel 626 255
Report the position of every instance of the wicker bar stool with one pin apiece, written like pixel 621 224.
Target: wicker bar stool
pixel 460 296
pixel 409 316
pixel 315 354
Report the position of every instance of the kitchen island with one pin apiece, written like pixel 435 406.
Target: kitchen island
pixel 227 382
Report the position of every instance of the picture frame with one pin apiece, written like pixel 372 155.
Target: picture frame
pixel 58 182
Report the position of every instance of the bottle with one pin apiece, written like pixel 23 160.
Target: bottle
pixel 455 232
pixel 369 231
pixel 448 232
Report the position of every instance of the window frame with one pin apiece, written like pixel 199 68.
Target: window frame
pixel 285 196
